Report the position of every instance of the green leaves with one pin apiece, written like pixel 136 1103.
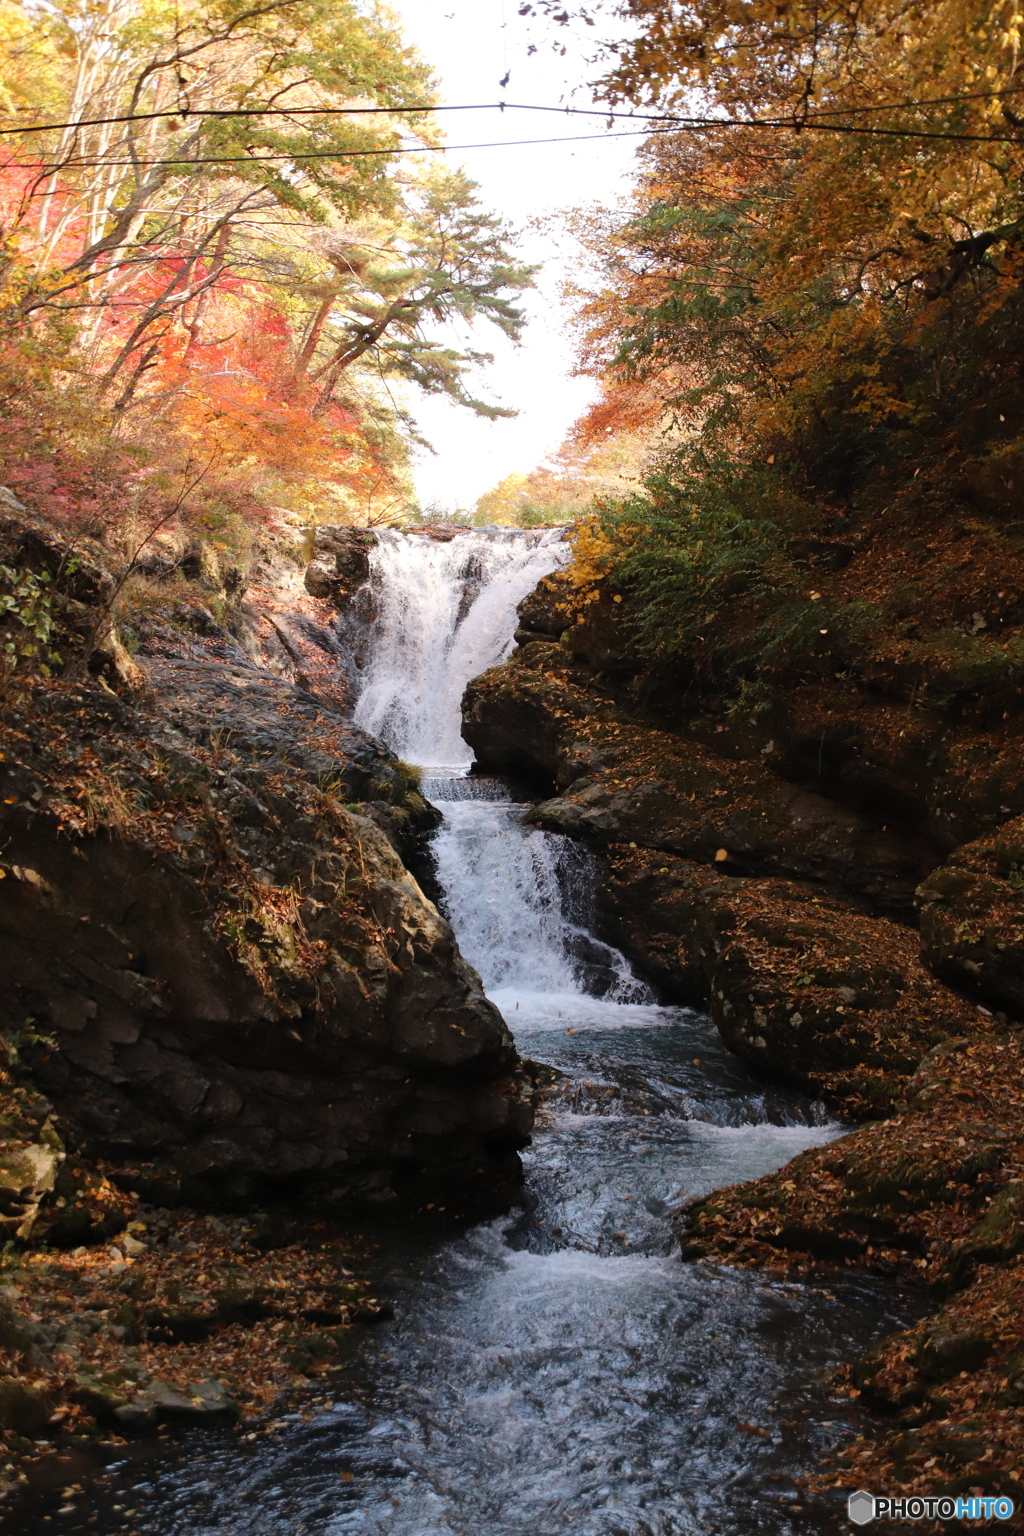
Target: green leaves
pixel 25 602
pixel 447 260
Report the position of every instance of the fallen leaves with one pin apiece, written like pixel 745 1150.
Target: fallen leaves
pixel 199 1304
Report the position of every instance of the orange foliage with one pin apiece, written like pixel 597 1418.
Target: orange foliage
pixel 220 384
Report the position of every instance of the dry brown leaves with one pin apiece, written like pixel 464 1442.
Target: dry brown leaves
pixel 293 1309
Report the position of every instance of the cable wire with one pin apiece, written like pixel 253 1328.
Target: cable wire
pixel 693 125
pixel 514 106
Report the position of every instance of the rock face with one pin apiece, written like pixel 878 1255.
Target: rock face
pixel 301 612
pixel 972 918
pixel 737 888
pixel 339 561
pixel 237 984
pixel 624 782
pixel 796 981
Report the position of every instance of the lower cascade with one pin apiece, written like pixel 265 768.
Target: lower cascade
pixel 559 1369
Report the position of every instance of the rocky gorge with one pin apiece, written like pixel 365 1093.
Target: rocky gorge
pixel 224 992
pixel 834 881
pixel 836 878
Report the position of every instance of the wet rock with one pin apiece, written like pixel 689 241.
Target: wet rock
pixel 185 632
pixel 14 1337
pixel 35 1361
pixel 181 1325
pixel 340 559
pixel 828 997
pixel 205 1403
pixel 320 579
pixel 798 983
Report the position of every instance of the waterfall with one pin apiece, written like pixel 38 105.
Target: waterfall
pixel 518 898
pixel 446 612
pixel 560 1368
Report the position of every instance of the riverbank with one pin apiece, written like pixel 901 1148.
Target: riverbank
pixel 556 1365
pixel 225 995
pixel 934 1194
pixel 180 1319
pixel 864 946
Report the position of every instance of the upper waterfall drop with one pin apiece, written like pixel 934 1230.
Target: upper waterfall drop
pixel 446 612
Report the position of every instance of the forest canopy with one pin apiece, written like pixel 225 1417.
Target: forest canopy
pixel 220 255
pixel 819 280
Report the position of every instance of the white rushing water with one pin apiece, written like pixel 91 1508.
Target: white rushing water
pixel 510 893
pixel 446 611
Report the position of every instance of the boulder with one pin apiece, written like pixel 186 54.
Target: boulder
pixel 27 1174
pixel 943 1353
pixel 623 782
pixel 23 1409
pixel 798 982
pixel 339 559
pixel 539 614
pixel 972 918
pixel 31 1150
pixel 242 986
pixel 207 1403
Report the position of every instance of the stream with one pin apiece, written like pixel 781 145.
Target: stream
pixel 559 1369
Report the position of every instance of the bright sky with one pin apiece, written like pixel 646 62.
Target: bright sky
pixel 472 45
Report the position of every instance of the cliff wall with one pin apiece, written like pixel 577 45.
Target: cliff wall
pixel 235 985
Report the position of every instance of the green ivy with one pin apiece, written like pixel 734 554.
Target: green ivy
pixel 25 602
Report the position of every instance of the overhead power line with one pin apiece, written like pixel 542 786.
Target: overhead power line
pixel 341 154
pixel 690 125
pixel 668 118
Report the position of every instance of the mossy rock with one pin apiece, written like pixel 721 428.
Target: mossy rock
pixel 904 1182
pixel 85 1212
pixel 944 1353
pixel 998 1236
pixel 22 1408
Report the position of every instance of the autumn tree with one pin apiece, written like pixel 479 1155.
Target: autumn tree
pixel 447 260
pixel 208 219
pixel 844 182
pixel 593 466
pixel 819 280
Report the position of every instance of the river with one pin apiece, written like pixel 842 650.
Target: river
pixel 559 1369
